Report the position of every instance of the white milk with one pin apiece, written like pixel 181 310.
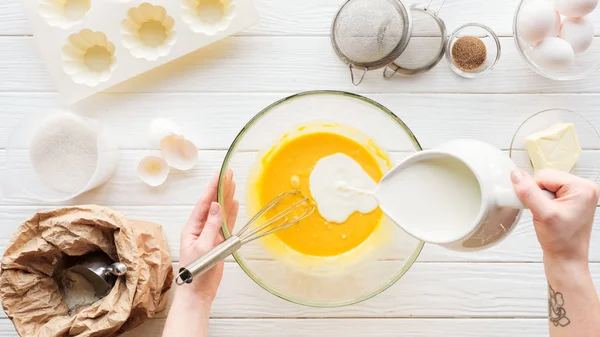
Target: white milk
pixel 435 199
pixel 340 187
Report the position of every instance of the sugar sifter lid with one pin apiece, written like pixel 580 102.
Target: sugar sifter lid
pixel 370 34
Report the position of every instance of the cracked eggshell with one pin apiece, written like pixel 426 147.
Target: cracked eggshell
pixel 579 32
pixel 148 32
pixel 153 170
pixel 208 16
pixel 89 57
pixel 575 8
pixel 64 13
pixel 161 128
pixel 179 152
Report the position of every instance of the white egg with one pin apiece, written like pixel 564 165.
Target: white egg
pixel 554 53
pixel 579 32
pixel 575 8
pixel 537 20
pixel 161 128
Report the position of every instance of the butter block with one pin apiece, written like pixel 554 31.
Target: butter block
pixel 554 148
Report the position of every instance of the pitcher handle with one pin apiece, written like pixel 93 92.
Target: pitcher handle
pixel 508 198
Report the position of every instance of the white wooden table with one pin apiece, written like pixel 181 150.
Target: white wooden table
pixel 215 91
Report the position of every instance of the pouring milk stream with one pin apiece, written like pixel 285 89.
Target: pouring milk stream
pixel 458 195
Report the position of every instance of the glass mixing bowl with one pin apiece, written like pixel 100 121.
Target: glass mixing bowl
pixel 352 277
pixel 585 63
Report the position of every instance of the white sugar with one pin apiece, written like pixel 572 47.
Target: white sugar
pixel 64 152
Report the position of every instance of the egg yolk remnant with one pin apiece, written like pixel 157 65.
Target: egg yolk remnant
pixel 289 167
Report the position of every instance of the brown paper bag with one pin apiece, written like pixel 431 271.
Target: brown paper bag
pixel 31 297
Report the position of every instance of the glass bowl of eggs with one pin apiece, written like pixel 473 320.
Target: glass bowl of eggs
pixel 557 37
pixel 340 254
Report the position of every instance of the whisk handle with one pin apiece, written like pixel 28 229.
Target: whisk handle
pixel 208 260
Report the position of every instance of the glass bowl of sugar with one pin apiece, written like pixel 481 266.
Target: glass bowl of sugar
pixel 54 157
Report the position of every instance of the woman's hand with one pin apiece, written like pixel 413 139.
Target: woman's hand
pixel 203 232
pixel 564 225
pixel 190 310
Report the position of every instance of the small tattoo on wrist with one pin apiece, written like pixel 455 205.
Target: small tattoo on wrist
pixel 556 311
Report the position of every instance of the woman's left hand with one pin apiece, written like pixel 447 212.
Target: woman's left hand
pixel 203 232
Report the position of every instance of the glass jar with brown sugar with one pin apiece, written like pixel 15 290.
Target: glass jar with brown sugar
pixel 472 50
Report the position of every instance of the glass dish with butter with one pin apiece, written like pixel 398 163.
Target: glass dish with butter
pixel 557 139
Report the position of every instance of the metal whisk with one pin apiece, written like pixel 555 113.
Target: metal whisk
pixel 250 232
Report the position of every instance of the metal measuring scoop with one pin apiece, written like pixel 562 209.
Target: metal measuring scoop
pixel 100 270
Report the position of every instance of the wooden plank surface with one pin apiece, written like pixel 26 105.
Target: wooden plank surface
pixel 363 327
pixel 215 91
pixel 313 17
pixel 521 246
pixel 126 189
pixel 283 64
pixel 349 327
pixel 213 120
pixel 428 290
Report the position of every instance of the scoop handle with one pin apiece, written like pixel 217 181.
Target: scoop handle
pixel 117 269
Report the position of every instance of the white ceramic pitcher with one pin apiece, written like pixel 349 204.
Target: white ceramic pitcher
pixel 500 208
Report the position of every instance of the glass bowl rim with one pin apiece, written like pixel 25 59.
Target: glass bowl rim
pixel 454 35
pixel 410 261
pixel 583 118
pixel 534 66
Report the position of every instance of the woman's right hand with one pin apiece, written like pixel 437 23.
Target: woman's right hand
pixel 564 225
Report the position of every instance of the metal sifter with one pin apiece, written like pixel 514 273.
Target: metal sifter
pixel 370 34
pixel 424 53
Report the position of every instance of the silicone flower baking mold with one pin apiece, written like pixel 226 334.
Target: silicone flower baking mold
pixel 89 58
pixel 148 32
pixel 64 13
pixel 208 16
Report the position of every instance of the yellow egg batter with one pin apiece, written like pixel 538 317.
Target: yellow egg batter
pixel 288 166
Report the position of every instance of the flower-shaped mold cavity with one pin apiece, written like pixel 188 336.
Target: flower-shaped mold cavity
pixel 64 13
pixel 208 16
pixel 89 57
pixel 148 32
